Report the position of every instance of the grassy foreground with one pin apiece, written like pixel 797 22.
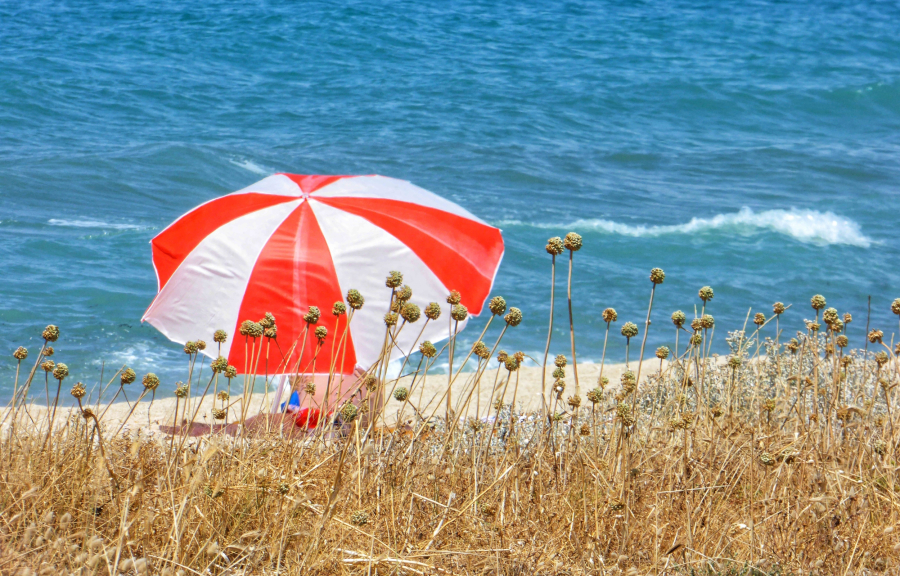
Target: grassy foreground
pixel 779 458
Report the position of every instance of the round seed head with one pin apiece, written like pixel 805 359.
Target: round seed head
pixel 401 394
pixel 427 349
pixel 696 339
pixel 842 341
pixel 150 381
pixel 313 315
pixel 678 318
pixel 662 352
pixel 875 336
pixel 224 396
pixel 220 336
pixel 230 372
pixel 321 333
pixel 603 382
pixel 793 345
pixel 268 320
pixel 830 316
pixel 574 401
pixel 244 330
pixel 255 330
pixel 657 276
pixel 759 319
pixel 87 413
pixel 881 357
pixel 707 321
pixel 190 347
pixel 410 312
pixel 61 371
pixel 696 325
pixel 128 376
pixel 454 298
pixel 610 315
pixel 778 308
pixel 585 429
pixel 359 518
pixel 339 309
pixel 520 357
pixel 628 381
pixel 49 351
pixel 502 356
pixel 394 279
pixel 78 390
pixel 271 332
pixel 459 312
pixel 735 362
pixel 404 294
pixel 573 242
pixel 480 349
pixel 48 365
pixel 355 299
pixel 181 391
pixel 817 302
pixel 219 413
pixel 310 388
pixel 370 382
pixel 218 365
pixel 559 373
pixel 837 326
pixel 848 318
pixel 812 326
pixel 395 306
pixel 390 319
pixel 513 317
pixel 497 305
pixel 560 361
pixel 511 363
pixel 348 412
pixel 51 333
pixel 433 311
pixel 21 353
pixel 595 396
pixel 629 330
pixel 769 405
pixel 555 246
pixel 706 293
pixel 879 446
pixel 767 459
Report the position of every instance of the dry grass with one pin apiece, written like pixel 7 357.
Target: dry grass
pixel 773 460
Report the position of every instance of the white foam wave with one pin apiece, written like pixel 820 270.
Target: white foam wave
pixel 93 224
pixel 250 166
pixel 809 226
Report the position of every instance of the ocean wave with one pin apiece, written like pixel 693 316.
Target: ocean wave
pixel 809 226
pixel 250 166
pixel 94 224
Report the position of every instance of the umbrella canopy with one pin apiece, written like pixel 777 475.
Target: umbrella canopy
pixel 293 241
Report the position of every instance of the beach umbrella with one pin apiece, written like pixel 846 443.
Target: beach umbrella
pixel 293 241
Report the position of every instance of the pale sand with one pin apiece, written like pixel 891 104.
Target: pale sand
pixel 427 398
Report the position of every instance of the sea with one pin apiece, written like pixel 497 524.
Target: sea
pixel 751 146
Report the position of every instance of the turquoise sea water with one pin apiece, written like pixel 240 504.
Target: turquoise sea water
pixel 751 146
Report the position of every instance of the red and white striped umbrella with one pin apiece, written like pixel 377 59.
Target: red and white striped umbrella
pixel 292 241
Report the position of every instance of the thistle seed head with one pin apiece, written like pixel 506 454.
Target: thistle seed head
pixel 502 356
pixel 49 351
pixel 875 336
pixel 610 315
pixel 778 308
pixel 313 315
pixel 219 364
pixel 394 279
pixel 348 412
pixel 433 311
pixel 321 333
pixel 404 294
pixel 830 316
pixel 454 298
pixel 513 317
pixel 459 312
pixel 190 347
pixel 427 349
pixel 707 321
pixel 61 371
pixel 268 320
pixel 560 361
pixel 559 373
pixel 220 336
pixel 511 363
pixel 355 299
pixel 401 394
pixel 759 319
pixel 842 341
pixel 480 349
pixel 21 353
pixel 244 330
pixel 595 396
pixel 339 309
pixel 231 372
pixel 662 352
pixel 848 318
pixel 657 276
pixel 629 330
pixel 150 381
pixel 181 391
pixel 78 390
pixel 678 318
pixel 48 365
pixel 706 293
pixel 555 246
pixel 817 302
pixel 128 376
pixel 497 305
pixel 895 306
pixel 573 242
pixel 390 319
pixel 410 312
pixel 696 339
pixel 51 333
